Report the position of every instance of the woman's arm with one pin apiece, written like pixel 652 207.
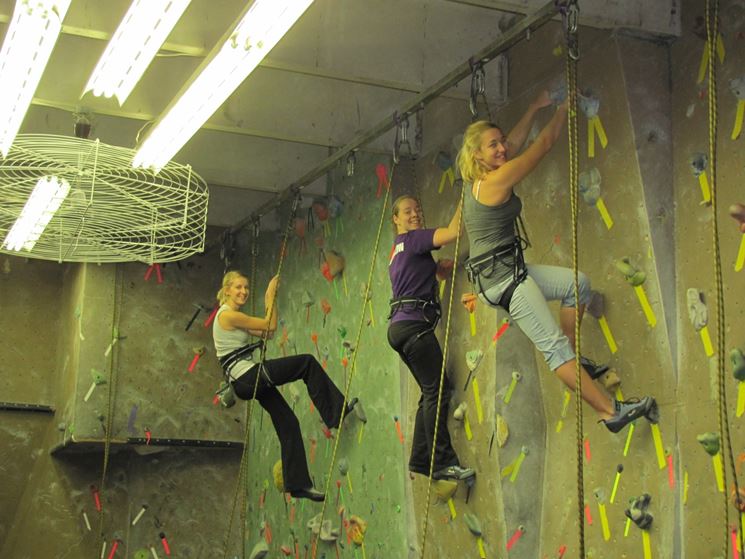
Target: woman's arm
pixel 252 324
pixel 446 235
pixel 517 136
pixel 497 184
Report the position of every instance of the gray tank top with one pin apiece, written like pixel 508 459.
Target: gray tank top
pixel 489 227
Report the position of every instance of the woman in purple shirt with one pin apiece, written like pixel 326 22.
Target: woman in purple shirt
pixel 415 310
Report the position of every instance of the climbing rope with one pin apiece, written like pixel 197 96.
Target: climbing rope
pixel 712 33
pixel 355 350
pixel 570 17
pixel 118 296
pixel 243 468
pixel 442 375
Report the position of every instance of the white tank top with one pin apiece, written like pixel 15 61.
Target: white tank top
pixel 227 341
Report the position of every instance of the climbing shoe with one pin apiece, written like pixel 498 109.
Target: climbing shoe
pixel 456 473
pixel 628 411
pixel 310 493
pixel 593 369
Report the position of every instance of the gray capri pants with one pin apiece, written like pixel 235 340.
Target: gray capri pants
pixel 529 308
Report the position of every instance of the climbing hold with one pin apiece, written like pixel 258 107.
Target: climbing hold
pixel 637 511
pixel 98 377
pixel 285 549
pixel 610 380
pixel 443 160
pixel 710 442
pixel 737 211
pixel 460 412
pixel 632 274
pixel 279 481
pixel 445 488
pixel 473 358
pixel 259 551
pixel 326 532
pixel 697 312
pixel 359 411
pixel 343 466
pixel 356 530
pixel 503 431
pixel 739 502
pixel 142 554
pixel 557 90
pixel 589 185
pixel 698 163
pixel 738 364
pixel 335 262
pixel 473 524
pixel 596 306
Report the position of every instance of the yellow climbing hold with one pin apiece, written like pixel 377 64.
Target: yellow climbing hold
pixel 279 482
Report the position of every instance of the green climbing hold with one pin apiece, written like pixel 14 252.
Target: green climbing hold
pixel 632 274
pixel 98 377
pixel 473 524
pixel 738 364
pixel 710 442
pixel 142 554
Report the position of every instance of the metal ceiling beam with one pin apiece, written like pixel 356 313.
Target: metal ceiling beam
pixel 510 38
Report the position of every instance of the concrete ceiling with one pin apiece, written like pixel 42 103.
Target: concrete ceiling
pixel 345 66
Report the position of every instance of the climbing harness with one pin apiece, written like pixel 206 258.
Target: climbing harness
pixel 241 484
pixel 712 32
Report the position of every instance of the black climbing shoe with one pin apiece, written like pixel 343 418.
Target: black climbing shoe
pixel 311 493
pixel 628 411
pixel 455 473
pixel 593 369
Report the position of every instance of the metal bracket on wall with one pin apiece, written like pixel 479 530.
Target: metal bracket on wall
pixel 18 406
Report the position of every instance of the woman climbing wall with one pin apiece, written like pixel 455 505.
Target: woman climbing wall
pixel 415 310
pixel 232 332
pixel 491 169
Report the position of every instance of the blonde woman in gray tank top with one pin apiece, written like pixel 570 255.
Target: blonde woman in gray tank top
pixel 492 165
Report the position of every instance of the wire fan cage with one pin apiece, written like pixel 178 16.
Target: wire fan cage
pixel 113 212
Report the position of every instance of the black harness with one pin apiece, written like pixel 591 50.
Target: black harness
pixel 430 308
pixel 244 352
pixel 485 266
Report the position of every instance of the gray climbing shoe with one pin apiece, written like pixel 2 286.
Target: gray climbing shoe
pixel 630 410
pixel 456 473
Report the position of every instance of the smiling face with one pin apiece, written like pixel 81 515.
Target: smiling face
pixel 236 293
pixel 492 153
pixel 408 216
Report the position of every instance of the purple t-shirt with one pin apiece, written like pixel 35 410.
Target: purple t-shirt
pixel 412 270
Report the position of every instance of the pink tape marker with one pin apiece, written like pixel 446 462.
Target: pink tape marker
pixel 114 546
pixel 670 472
pixel 211 317
pixel 515 537
pixel 164 541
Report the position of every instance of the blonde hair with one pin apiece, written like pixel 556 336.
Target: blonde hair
pixel 470 168
pixel 227 279
pixel 396 207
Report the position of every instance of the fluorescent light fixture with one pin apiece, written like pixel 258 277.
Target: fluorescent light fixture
pixel 45 200
pixel 30 38
pixel 258 30
pixel 135 43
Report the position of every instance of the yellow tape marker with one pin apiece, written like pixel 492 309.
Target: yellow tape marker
pixel 740 255
pixel 507 470
pixel 626 528
pixel 648 312
pixel 619 395
pixel 720 48
pixel 628 440
pixel 740 399
pixel 482 551
pixel 601 131
pixel 615 487
pixel 564 408
pixel 364 554
pixel 738 119
pixel 607 219
pixel 647 545
pixel 477 397
pixel 559 425
pixel 703 64
pixel 349 483
pixel 511 389
pixel 604 522
pixel 451 504
pixel 685 487
pixel 372 318
pixel 610 340
pixel 706 339
pixel 472 319
pixel 467 427
pixel 359 435
pixel 716 461
pixel 442 289
pixel 516 469
pixel 446 175
pixel 703 182
pixel 344 281
pixel 657 437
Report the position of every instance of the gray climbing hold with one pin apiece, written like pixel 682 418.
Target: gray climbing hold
pixel 737 86
pixel 473 358
pixel 698 162
pixel 259 551
pixel 710 442
pixel 460 412
pixel 473 523
pixel 697 312
pixel 589 186
pixel 589 104
pixel 343 466
pixel 596 306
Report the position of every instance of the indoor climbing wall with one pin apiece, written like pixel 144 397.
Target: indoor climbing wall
pixel 321 301
pixel 119 330
pixel 703 527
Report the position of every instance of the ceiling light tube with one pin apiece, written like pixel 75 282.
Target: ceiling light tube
pixel 141 33
pixel 45 200
pixel 260 27
pixel 28 44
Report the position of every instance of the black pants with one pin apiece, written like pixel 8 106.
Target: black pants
pixel 421 353
pixel 322 391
